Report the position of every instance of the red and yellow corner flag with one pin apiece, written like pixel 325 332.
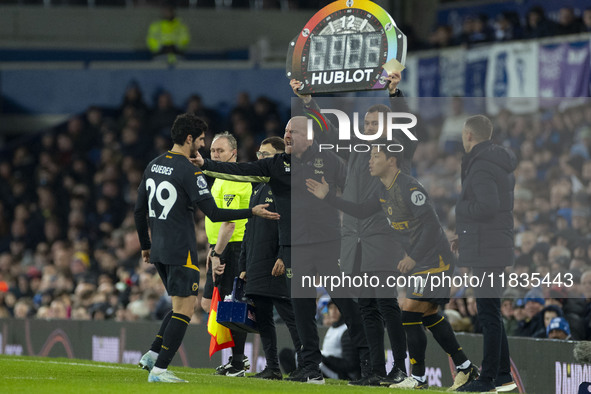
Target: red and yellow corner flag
pixel 221 337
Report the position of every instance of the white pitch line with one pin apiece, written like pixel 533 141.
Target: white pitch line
pixel 64 363
pixel 86 365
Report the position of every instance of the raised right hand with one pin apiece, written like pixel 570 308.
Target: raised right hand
pixel 295 86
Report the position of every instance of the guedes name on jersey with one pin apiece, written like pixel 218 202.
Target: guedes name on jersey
pixel 161 169
pixel 393 148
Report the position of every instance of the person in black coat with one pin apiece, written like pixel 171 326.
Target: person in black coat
pixel 257 259
pixel 316 250
pixel 484 224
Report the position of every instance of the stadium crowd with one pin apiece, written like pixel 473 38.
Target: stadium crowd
pixel 69 247
pixel 68 242
pixel 507 26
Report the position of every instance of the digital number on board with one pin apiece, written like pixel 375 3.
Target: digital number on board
pixel 343 48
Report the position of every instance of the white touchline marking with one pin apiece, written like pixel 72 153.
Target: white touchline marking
pixel 64 363
pixel 28 378
pixel 89 365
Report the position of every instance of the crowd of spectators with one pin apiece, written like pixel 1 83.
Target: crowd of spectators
pixel 69 248
pixel 68 244
pixel 219 4
pixel 507 26
pixel 552 212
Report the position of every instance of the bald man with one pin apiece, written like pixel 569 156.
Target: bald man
pixel 315 241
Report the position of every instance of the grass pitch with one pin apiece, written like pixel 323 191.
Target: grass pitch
pixel 19 374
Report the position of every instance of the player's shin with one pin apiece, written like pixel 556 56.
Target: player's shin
pixel 416 340
pixel 157 344
pixel 172 339
pixel 445 337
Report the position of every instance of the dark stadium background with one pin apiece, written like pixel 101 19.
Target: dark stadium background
pixel 83 108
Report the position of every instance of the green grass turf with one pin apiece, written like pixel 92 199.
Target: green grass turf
pixel 19 374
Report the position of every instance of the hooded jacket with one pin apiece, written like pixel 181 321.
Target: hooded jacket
pixel 484 212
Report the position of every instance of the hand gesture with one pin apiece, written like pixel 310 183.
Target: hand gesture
pixel 278 268
pixel 296 86
pixel 320 190
pixel 217 268
pixel 146 256
pixel 455 245
pixel 259 210
pixel 393 79
pixel 208 259
pixel 406 264
pixel 197 160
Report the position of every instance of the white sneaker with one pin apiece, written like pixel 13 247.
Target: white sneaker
pixel 509 386
pixel 165 377
pixel 147 361
pixel 408 383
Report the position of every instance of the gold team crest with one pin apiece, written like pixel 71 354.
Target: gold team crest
pixel 318 163
pixel 195 286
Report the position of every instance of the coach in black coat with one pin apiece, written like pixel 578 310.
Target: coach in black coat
pixel 484 224
pixel 259 250
pixel 484 211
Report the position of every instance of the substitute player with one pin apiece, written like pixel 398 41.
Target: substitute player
pixel 170 190
pixel 226 241
pixel 411 215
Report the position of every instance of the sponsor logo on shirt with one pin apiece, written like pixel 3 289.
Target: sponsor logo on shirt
pixel 228 198
pixel 418 198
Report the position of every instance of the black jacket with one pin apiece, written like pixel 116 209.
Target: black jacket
pixel 313 220
pixel 379 247
pixel 259 249
pixel 484 212
pixel 533 328
pixel 275 170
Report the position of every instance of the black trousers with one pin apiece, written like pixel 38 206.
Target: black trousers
pixel 496 359
pixel 264 314
pixel 376 312
pixel 321 259
pixel 379 307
